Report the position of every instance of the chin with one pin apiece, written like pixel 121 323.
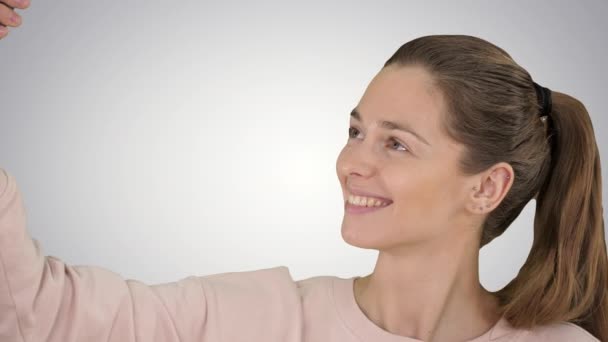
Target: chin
pixel 364 238
pixel 367 238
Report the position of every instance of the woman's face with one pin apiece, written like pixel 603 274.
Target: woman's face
pixel 419 178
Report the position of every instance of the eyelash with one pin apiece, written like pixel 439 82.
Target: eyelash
pixel 350 136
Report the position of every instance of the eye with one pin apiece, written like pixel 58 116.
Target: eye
pixel 352 133
pixel 398 143
pixel 352 129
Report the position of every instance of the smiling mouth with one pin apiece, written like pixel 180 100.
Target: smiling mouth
pixel 359 209
pixel 369 202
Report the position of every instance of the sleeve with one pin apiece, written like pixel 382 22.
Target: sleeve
pixel 43 299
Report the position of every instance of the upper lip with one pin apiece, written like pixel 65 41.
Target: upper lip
pixel 357 192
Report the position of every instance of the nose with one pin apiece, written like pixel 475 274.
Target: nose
pixel 357 159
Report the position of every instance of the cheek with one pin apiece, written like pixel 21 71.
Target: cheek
pixel 421 189
pixel 416 198
pixel 424 201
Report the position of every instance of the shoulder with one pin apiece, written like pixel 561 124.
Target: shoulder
pixel 262 303
pixel 280 273
pixel 559 332
pixel 311 285
pixel 318 298
pixel 275 281
pixel 263 290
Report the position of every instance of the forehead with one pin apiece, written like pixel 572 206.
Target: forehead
pixel 404 94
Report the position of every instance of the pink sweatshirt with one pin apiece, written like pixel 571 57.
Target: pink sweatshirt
pixel 43 299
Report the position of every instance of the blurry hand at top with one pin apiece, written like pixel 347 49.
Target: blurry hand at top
pixel 8 17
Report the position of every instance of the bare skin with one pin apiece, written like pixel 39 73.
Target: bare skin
pixel 9 16
pixel 425 283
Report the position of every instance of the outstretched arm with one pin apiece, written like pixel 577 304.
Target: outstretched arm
pixel 8 16
pixel 43 299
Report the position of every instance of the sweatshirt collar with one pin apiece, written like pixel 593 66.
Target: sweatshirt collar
pixel 342 291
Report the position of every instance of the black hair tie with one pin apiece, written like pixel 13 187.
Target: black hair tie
pixel 544 99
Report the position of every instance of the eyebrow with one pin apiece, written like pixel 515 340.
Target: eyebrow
pixel 391 126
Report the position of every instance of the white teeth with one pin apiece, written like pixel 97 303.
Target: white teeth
pixel 365 201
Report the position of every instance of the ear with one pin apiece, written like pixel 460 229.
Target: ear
pixel 489 188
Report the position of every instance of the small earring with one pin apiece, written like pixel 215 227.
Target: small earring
pixel 488 205
pixel 507 176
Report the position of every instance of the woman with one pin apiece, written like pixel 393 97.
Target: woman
pixel 449 142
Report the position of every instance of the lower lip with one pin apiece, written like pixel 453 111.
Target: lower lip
pixel 356 209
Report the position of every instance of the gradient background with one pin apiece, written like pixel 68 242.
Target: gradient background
pixel 162 139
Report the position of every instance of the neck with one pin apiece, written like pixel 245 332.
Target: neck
pixel 429 292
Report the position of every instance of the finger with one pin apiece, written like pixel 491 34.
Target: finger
pixel 21 4
pixel 8 17
pixel 3 31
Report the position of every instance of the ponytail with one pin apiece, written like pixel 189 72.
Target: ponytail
pixel 565 277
